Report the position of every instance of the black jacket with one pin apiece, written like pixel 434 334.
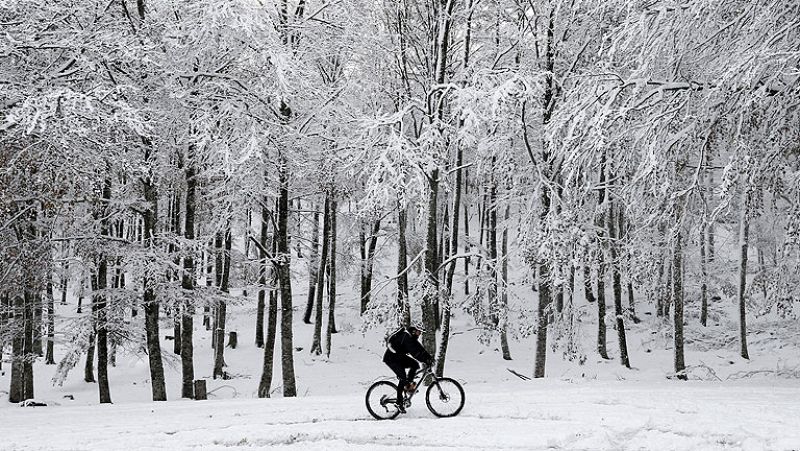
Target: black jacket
pixel 403 343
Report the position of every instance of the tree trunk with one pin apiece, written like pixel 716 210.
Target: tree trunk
pixel 222 309
pixel 265 266
pixel 677 297
pixel 188 282
pixel 601 272
pixel 601 310
pixel 272 321
pixel 368 264
pixel 504 291
pixel 49 358
pixel 403 306
pixel 544 300
pixel 617 280
pixel 150 301
pixel 88 368
pixel 99 304
pixel 316 344
pixel 430 296
pixel 16 392
pixel 587 282
pixel 466 235
pixel 284 276
pixel 331 280
pixel 744 232
pixel 313 262
pixel 491 244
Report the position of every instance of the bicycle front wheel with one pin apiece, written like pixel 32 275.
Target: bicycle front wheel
pixel 445 397
pixel 382 400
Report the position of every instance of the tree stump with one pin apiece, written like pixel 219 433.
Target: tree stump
pixel 233 340
pixel 200 392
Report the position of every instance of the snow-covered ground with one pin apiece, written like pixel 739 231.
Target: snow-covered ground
pixel 738 404
pixel 517 415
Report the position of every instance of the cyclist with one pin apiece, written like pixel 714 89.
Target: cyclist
pixel 401 344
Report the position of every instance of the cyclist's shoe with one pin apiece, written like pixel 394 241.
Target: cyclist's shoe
pixel 400 408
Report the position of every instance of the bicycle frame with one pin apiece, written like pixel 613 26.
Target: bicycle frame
pixel 418 381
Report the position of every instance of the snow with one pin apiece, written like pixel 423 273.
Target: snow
pixel 544 414
pixel 731 403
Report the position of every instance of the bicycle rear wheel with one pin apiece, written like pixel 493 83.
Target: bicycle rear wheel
pixel 445 397
pixel 382 400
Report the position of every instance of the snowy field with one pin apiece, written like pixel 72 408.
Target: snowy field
pixel 520 415
pixel 598 405
pixel 730 403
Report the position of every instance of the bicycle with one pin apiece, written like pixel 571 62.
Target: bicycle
pixel 444 396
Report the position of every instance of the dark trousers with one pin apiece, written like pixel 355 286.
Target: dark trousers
pixel 399 363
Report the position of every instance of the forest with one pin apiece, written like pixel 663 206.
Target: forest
pixel 552 169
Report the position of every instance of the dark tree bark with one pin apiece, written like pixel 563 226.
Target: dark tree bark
pixel 265 267
pixel 617 285
pixel 284 277
pixel 467 260
pixel 188 281
pixel 331 329
pixel 16 392
pixel 269 344
pixel 99 305
pixel 601 272
pixel 744 232
pixel 49 358
pixel 402 262
pixel 174 228
pixel 504 293
pixel 313 267
pixel 430 297
pixel 677 297
pixel 88 368
pixel 368 263
pixel 587 282
pixel 316 343
pixel 150 301
pixel 29 355
pixel 222 309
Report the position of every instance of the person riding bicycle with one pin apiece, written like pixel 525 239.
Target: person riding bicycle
pixel 401 344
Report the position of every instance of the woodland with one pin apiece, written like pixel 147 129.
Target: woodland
pixel 162 161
